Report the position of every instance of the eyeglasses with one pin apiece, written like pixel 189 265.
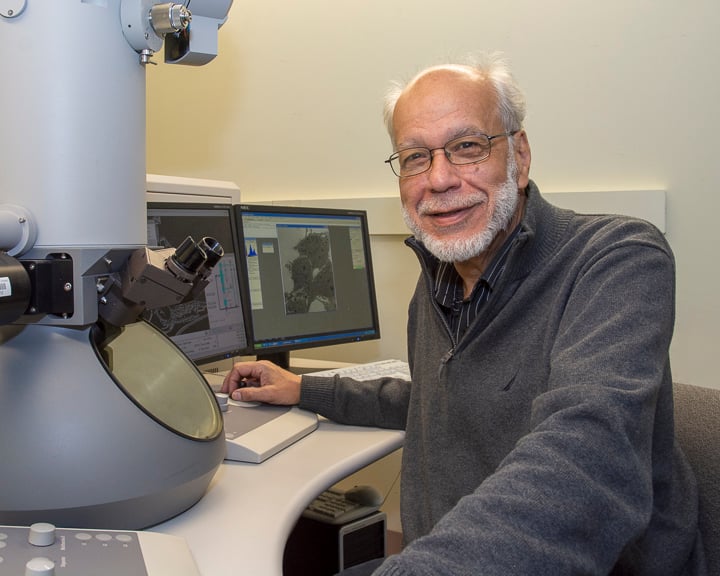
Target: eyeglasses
pixel 460 151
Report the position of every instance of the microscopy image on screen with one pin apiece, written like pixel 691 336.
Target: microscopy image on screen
pixel 308 279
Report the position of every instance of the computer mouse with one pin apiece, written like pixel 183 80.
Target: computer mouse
pixel 364 495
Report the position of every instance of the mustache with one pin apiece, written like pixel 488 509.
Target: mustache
pixel 442 204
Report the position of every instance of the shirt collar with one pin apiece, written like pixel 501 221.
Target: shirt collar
pixel 449 284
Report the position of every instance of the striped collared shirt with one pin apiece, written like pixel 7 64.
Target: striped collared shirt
pixel 449 292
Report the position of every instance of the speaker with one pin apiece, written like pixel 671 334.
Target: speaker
pixel 316 548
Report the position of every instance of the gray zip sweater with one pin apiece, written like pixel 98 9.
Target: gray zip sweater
pixel 542 442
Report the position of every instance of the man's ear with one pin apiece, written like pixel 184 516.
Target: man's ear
pixel 522 158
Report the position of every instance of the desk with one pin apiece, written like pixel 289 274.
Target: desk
pixel 242 523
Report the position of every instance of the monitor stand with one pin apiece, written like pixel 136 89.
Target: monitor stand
pixel 282 359
pixel 296 366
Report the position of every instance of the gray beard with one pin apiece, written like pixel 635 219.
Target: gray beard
pixel 465 249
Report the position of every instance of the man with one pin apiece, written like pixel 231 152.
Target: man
pixel 539 431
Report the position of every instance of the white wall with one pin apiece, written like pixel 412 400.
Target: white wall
pixel 621 96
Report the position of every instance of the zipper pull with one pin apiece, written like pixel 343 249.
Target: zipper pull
pixel 444 360
pixel 447 356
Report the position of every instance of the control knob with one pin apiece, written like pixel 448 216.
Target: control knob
pixel 40 567
pixel 42 534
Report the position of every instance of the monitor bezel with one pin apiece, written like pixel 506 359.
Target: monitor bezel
pixel 225 206
pixel 279 354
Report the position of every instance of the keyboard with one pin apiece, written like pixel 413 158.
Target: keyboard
pixel 332 507
pixel 44 549
pixel 370 370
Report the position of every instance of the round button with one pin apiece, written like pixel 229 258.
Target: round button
pixel 83 536
pixel 41 534
pixel 123 538
pixel 40 567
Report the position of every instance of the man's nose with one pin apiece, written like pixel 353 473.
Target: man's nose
pixel 441 171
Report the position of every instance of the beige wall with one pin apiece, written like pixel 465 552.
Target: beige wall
pixel 621 96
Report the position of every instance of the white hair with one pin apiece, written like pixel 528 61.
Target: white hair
pixel 490 67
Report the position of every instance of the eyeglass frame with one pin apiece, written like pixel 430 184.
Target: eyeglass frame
pixel 395 155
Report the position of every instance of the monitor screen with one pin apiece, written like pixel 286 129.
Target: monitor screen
pixel 212 326
pixel 308 273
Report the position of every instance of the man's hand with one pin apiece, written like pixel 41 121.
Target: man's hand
pixel 262 381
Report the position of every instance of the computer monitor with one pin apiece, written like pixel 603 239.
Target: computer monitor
pixel 212 326
pixel 309 277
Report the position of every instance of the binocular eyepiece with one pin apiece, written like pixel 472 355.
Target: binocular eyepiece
pixel 197 258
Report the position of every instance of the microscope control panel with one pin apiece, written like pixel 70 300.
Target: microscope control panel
pixel 44 550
